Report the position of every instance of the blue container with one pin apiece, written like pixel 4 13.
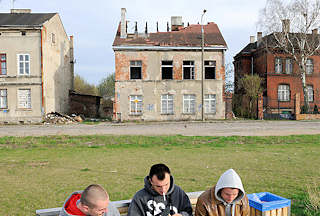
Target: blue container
pixel 266 201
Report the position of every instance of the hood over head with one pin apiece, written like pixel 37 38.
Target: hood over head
pixel 229 179
pixel 148 186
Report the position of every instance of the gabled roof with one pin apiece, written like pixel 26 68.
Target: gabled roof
pixel 24 19
pixel 184 37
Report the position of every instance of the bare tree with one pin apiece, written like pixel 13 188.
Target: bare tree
pixel 291 27
pixel 229 82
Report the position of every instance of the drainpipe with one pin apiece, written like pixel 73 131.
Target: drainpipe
pixel 41 56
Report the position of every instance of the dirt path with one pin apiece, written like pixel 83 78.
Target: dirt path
pixel 217 128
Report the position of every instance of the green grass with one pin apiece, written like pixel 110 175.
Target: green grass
pixel 40 172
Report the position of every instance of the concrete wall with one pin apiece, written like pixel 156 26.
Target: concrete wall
pixel 57 73
pixel 151 86
pixel 13 43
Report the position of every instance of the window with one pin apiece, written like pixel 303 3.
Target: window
pixel 210 103
pixel 3 62
pixel 24 98
pixel 135 104
pixel 209 69
pixel 309 66
pixel 189 103
pixel 278 65
pixel 23 33
pixel 135 69
pixel 283 92
pixel 288 66
pixel 310 93
pixel 167 104
pixel 24 64
pixel 188 69
pixel 53 38
pixel 3 99
pixel 167 69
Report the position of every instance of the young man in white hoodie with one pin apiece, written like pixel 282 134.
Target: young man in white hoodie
pixel 226 198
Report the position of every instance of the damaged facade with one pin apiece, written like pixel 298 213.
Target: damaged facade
pixel 158 75
pixel 36 66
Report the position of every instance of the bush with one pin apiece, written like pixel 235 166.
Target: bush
pixel 304 109
pixel 315 109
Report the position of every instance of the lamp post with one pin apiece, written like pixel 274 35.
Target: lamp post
pixel 202 72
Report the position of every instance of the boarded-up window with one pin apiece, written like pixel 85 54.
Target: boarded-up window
pixel 24 98
pixel 209 69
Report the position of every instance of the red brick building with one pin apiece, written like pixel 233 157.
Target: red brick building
pixel 280 74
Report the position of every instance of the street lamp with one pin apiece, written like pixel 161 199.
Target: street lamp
pixel 202 72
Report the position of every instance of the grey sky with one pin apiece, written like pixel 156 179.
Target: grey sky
pixel 94 23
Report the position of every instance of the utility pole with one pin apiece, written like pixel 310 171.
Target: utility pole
pixel 202 67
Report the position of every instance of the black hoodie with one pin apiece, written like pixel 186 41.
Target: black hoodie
pixel 147 202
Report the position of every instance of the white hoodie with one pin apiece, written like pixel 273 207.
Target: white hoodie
pixel 229 179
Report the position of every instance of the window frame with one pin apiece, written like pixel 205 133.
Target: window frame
pixel 135 64
pixel 208 102
pixel 138 106
pixel 166 66
pixel 24 62
pixel 289 67
pixel 285 93
pixel 309 66
pixel 189 66
pixel 3 99
pixel 190 101
pixel 278 65
pixel 207 65
pixel 312 93
pixel 3 62
pixel 168 99
pixel 28 99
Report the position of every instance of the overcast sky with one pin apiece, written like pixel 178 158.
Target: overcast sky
pixel 94 23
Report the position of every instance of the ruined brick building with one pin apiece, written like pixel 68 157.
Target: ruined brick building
pixel 282 88
pixel 158 75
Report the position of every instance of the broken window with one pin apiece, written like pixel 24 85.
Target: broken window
pixel 310 93
pixel 288 66
pixel 3 99
pixel 209 69
pixel 284 92
pixel 24 64
pixel 24 98
pixel 278 65
pixel 135 69
pixel 167 69
pixel 188 69
pixel 210 103
pixel 309 66
pixel 167 104
pixel 3 62
pixel 189 103
pixel 136 104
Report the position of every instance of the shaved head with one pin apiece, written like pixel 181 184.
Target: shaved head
pixel 92 194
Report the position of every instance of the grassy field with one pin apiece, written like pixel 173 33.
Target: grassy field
pixel 40 172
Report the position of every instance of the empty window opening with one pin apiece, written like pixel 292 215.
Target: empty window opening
pixel 210 69
pixel 167 69
pixel 135 69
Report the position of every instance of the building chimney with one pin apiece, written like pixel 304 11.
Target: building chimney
pixel 146 29
pixel 252 39
pixel 123 30
pixel 315 31
pixel 20 11
pixel 259 36
pixel 286 25
pixel 176 23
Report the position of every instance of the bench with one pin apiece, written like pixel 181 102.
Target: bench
pixel 122 205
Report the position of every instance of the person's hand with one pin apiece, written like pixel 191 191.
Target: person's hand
pixel 176 215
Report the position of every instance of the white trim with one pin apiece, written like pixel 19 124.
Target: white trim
pixel 166 48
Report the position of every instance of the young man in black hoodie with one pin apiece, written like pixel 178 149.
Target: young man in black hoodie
pixel 160 196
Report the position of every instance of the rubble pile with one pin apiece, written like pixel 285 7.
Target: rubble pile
pixel 57 118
